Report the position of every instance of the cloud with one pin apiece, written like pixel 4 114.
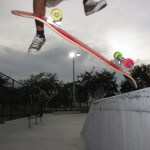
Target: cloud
pixel 122 25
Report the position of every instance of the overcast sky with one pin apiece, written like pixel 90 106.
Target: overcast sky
pixel 124 25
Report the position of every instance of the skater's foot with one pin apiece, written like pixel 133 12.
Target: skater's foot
pixel 36 44
pixel 93 6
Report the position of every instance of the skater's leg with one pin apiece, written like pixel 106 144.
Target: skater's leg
pixel 39 8
pixel 39 39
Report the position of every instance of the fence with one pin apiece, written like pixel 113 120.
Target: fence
pixel 12 99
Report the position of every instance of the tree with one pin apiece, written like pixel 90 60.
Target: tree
pixel 141 73
pixel 107 80
pixel 90 81
pixel 46 81
pixel 3 91
pixel 64 96
pixel 3 81
pixel 85 86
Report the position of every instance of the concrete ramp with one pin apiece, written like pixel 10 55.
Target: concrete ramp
pixel 119 123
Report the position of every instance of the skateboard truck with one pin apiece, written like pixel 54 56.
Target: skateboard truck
pixel 55 17
pixel 128 63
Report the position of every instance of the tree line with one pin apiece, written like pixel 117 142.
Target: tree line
pixel 61 93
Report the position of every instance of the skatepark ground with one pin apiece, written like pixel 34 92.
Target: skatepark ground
pixel 57 131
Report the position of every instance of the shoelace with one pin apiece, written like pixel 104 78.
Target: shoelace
pixel 91 3
pixel 36 42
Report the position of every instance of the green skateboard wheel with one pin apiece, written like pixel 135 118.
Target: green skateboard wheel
pixel 117 54
pixel 56 14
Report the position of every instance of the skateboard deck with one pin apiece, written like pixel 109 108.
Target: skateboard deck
pixel 77 42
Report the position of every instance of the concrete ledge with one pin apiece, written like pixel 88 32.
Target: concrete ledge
pixel 119 123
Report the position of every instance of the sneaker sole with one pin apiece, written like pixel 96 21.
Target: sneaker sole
pixel 100 6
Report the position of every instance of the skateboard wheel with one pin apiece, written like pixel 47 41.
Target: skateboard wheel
pixel 117 54
pixel 128 63
pixel 56 14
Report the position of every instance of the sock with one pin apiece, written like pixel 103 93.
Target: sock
pixel 84 1
pixel 41 34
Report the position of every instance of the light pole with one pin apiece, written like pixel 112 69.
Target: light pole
pixel 73 55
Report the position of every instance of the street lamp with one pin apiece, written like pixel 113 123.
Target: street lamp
pixel 73 55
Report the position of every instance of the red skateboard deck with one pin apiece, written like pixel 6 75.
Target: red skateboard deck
pixel 77 42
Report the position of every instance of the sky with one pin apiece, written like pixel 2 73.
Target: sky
pixel 124 25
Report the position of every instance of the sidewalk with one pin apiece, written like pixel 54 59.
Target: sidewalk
pixel 55 132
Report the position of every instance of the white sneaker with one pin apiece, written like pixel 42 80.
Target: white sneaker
pixel 92 6
pixel 36 44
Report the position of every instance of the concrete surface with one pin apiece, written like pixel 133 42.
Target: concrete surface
pixel 55 132
pixel 120 122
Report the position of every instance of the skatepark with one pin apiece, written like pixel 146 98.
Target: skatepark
pixel 105 39
pixel 117 123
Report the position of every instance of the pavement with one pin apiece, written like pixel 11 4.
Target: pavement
pixel 54 132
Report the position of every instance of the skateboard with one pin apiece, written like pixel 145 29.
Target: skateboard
pixel 54 21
